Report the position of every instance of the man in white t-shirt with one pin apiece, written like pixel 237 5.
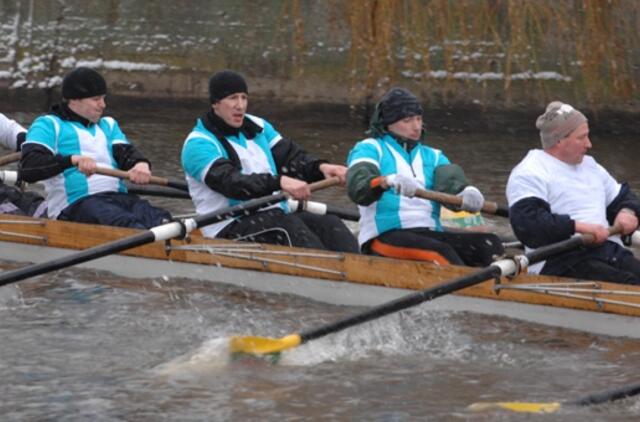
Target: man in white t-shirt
pixel 12 134
pixel 14 200
pixel 559 191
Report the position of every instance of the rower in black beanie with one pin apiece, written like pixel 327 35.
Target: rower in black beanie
pixel 231 156
pixel 65 147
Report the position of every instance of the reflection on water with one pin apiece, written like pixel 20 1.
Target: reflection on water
pixel 81 344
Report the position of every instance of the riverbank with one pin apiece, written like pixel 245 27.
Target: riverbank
pixel 500 55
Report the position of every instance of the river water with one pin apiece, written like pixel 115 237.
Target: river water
pixel 87 345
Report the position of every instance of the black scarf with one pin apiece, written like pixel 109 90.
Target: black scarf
pixel 216 125
pixel 63 111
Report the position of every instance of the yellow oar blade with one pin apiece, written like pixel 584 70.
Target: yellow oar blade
pixel 515 406
pixel 262 345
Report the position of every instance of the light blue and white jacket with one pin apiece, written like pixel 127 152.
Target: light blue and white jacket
pixel 202 148
pixel 393 211
pixel 66 137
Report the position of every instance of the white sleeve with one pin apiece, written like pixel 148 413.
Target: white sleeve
pixel 525 184
pixel 9 130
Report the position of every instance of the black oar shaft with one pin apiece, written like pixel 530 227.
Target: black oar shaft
pixel 164 232
pixel 177 185
pixel 607 396
pixel 344 213
pixel 161 191
pixel 494 270
pixel 403 303
pixel 77 257
pixel 322 209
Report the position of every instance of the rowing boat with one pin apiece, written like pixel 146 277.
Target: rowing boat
pixel 337 278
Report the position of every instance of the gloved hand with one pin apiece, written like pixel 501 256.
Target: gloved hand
pixel 472 199
pixel 403 185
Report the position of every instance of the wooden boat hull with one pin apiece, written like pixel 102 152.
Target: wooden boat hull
pixel 344 279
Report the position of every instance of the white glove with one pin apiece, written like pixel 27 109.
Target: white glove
pixel 403 185
pixel 472 199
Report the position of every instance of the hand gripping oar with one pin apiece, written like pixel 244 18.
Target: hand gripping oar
pixel 155 180
pixel 445 198
pixel 167 231
pixel 10 158
pixel 550 407
pixel 265 345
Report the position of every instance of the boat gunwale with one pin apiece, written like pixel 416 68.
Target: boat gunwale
pixel 354 268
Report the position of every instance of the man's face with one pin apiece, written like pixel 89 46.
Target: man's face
pixel 574 147
pixel 90 108
pixel 409 127
pixel 232 109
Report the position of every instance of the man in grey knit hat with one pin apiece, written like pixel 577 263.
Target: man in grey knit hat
pixel 559 190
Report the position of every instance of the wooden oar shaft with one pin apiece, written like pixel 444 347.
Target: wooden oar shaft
pixel 445 198
pixel 155 180
pixel 159 233
pixel 10 158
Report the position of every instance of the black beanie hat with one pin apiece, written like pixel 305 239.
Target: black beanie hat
pixel 83 82
pixel 225 83
pixel 397 104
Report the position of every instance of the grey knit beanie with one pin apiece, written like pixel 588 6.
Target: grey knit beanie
pixel 557 122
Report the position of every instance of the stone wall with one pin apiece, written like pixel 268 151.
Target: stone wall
pixel 494 54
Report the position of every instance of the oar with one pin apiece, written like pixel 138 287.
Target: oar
pixel 10 158
pixel 445 198
pixel 489 207
pixel 164 232
pixel 11 176
pixel 550 407
pixel 322 209
pixel 265 345
pixel 155 180
pixel 161 191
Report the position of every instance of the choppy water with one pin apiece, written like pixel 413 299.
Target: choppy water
pixel 87 345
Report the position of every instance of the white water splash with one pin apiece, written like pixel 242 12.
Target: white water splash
pixel 212 355
pixel 11 297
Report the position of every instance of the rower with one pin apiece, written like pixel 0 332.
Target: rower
pixel 64 149
pixel 559 191
pixel 384 173
pixel 12 199
pixel 231 156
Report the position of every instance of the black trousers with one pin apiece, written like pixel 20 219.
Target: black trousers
pixel 15 201
pixel 115 209
pixel 458 248
pixel 302 229
pixel 607 262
